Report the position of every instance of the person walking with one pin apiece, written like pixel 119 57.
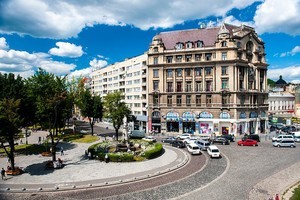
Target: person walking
pixel 3 174
pixel 62 151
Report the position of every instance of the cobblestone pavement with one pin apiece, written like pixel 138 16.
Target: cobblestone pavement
pixel 244 173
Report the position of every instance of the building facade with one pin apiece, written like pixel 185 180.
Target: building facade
pixel 208 80
pixel 128 77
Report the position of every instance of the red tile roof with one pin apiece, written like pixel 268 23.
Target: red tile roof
pixel 207 35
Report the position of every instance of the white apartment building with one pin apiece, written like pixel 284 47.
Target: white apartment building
pixel 129 77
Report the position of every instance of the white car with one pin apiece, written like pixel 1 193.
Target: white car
pixel 281 137
pixel 213 151
pixel 193 148
pixel 149 139
pixel 190 140
pixel 284 143
pixel 297 138
pixel 184 136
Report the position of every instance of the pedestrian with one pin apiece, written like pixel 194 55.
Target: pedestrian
pixel 62 151
pixel 3 174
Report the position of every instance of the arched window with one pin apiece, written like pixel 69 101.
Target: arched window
pixel 179 45
pixel 189 45
pixel 224 44
pixel 199 44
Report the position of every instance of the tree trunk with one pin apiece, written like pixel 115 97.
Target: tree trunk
pixel 91 125
pixel 11 154
pixel 117 135
pixel 53 147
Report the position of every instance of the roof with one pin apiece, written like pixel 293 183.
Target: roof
pixel 281 81
pixel 207 35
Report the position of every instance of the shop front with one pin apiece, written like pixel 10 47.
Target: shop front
pixel 155 122
pixel 172 119
pixel 206 125
pixel 263 122
pixel 188 122
pixel 225 125
pixel 254 122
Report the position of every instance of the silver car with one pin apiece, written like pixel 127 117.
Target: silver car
pixel 284 143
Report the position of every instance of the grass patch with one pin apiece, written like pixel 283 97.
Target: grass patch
pixel 26 149
pixel 86 139
pixel 296 195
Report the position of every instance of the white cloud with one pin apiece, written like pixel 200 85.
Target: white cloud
pixel 278 16
pixel 3 43
pixel 24 63
pixel 291 73
pixel 81 73
pixel 232 20
pixel 64 19
pixel 293 52
pixel 98 63
pixel 66 49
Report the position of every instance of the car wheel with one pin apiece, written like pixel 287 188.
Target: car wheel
pixel 254 145
pixel 242 144
pixel 292 146
pixel 278 145
pixel 178 146
pixel 223 143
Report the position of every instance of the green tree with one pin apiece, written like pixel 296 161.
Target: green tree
pixel 271 83
pixel 10 123
pixel 115 109
pixel 90 107
pixel 50 95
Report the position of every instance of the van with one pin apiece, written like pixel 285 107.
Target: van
pixel 281 137
pixel 203 144
pixel 193 148
pixel 284 143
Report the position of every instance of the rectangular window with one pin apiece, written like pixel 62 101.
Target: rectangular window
pixel 179 72
pixel 170 87
pixel 188 58
pixel 169 101
pixel 208 100
pixel 179 87
pixel 155 60
pixel 224 83
pixel 137 105
pixel 178 58
pixel 169 59
pixel 208 56
pixel 178 100
pixel 208 85
pixel 155 73
pixel 208 71
pixel 155 85
pixel 224 70
pixel 155 100
pixel 188 72
pixel 224 55
pixel 188 100
pixel 198 86
pixel 198 71
pixel 188 87
pixel 198 57
pixel 170 73
pixel 225 100
pixel 198 100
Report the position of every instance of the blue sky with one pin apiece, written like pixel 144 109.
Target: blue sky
pixel 71 37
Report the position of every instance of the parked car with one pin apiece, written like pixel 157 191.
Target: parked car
pixel 168 140
pixel 203 144
pixel 284 143
pixel 184 136
pixel 252 137
pixel 247 142
pixel 193 148
pixel 213 151
pixel 149 139
pixel 178 144
pixel 280 137
pixel 190 140
pixel 297 138
pixel 220 140
pixel 231 138
pixel 204 137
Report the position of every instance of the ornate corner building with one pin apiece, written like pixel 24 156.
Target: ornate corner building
pixel 208 80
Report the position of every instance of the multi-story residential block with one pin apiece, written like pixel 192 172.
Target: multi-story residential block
pixel 208 80
pixel 129 77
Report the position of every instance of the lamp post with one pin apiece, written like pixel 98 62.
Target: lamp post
pixel 26 135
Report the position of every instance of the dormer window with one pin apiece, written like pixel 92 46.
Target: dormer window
pixel 224 44
pixel 179 46
pixel 155 49
pixel 189 45
pixel 199 44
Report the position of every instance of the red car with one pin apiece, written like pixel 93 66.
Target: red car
pixel 247 142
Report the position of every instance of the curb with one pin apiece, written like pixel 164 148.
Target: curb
pixel 288 193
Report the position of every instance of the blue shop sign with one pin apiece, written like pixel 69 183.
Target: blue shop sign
pixel 172 116
pixel 188 116
pixel 206 115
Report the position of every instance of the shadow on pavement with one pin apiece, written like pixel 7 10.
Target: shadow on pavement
pixel 38 169
pixel 66 146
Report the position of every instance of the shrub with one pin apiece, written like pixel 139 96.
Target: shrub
pixel 120 157
pixel 153 152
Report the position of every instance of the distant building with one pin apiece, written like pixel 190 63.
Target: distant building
pixel 208 80
pixel 128 77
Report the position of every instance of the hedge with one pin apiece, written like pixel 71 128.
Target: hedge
pixel 154 152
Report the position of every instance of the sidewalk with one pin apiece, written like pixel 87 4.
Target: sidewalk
pixel 80 171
